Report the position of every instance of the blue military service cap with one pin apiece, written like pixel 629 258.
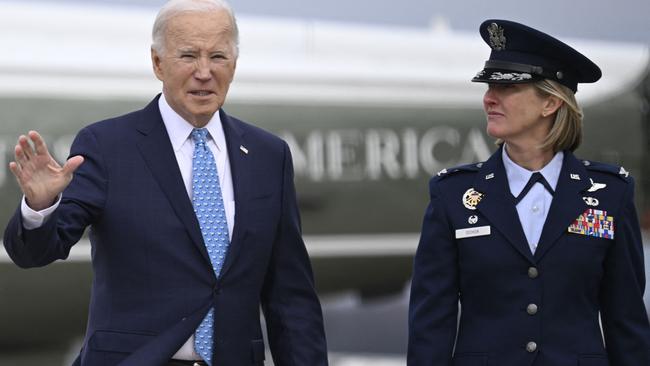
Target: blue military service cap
pixel 521 54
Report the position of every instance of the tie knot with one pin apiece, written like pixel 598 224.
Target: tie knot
pixel 199 135
pixel 536 177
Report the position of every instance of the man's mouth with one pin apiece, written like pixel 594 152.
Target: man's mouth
pixel 201 93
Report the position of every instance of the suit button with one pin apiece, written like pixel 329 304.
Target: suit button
pixel 533 272
pixel 531 309
pixel 531 347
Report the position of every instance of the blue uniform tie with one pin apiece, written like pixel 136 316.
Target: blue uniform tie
pixel 209 209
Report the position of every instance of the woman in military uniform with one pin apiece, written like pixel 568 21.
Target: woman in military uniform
pixel 532 246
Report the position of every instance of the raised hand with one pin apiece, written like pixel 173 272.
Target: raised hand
pixel 40 177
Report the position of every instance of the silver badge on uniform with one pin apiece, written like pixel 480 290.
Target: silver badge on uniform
pixel 472 219
pixel 591 201
pixel 596 186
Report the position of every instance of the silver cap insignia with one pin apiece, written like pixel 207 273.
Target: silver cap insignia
pixel 497 39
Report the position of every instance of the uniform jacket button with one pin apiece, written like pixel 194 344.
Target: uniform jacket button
pixel 531 347
pixel 533 272
pixel 531 309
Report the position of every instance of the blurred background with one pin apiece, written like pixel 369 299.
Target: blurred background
pixel 372 96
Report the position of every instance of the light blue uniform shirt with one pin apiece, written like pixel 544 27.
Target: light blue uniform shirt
pixel 534 207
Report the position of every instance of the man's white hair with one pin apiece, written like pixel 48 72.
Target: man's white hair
pixel 175 7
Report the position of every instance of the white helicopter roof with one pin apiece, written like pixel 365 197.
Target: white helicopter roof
pixel 95 51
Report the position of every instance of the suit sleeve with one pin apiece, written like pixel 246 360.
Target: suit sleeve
pixel 80 205
pixel 291 308
pixel 624 318
pixel 433 308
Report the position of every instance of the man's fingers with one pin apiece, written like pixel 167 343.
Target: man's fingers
pixel 72 164
pixel 16 169
pixel 26 149
pixel 18 153
pixel 39 144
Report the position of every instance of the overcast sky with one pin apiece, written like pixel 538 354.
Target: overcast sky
pixel 627 20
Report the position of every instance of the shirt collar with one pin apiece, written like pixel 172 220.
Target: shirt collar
pixel 179 129
pixel 518 176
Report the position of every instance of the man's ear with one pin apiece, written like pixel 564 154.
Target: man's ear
pixel 155 62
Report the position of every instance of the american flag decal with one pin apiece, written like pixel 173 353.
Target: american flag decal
pixel 594 223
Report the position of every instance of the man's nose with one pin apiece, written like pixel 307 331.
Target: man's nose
pixel 203 69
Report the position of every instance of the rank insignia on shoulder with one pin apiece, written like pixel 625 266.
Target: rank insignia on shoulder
pixel 624 172
pixel 471 198
pixel 594 223
pixel 442 172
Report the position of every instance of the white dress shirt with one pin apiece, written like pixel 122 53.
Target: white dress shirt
pixel 534 207
pixel 179 132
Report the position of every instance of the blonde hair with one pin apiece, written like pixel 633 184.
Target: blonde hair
pixel 566 132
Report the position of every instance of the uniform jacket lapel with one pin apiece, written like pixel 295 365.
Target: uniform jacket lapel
pixel 158 153
pixel 567 203
pixel 497 205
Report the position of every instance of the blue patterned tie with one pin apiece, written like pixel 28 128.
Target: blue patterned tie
pixel 208 206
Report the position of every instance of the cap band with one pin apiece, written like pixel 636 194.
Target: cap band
pixel 513 66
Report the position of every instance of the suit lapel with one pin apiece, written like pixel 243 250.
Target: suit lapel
pixel 241 169
pixel 567 203
pixel 498 205
pixel 157 151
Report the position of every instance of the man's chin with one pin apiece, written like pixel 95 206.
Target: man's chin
pixel 200 118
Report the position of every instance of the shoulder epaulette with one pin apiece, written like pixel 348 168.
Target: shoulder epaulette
pixel 474 167
pixel 616 170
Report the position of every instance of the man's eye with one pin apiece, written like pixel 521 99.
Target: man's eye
pixel 187 56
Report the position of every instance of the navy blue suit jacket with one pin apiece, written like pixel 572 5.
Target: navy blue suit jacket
pixel 571 278
pixel 153 282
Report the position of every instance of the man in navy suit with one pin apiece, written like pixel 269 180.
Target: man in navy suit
pixel 160 296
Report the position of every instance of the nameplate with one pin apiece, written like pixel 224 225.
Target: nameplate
pixel 471 232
